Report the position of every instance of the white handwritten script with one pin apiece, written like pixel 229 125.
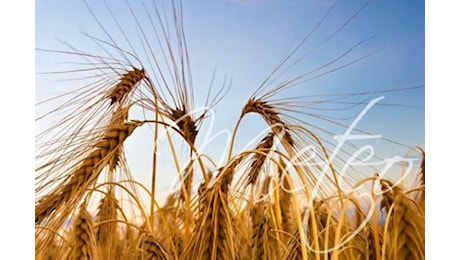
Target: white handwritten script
pixel 307 157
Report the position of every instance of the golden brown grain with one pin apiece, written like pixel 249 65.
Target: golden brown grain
pixel 126 84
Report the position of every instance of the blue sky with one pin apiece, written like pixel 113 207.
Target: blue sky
pixel 244 40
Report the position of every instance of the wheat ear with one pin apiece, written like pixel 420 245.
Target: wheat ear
pixel 126 84
pixel 271 116
pixel 406 224
pixel 86 173
pixel 84 243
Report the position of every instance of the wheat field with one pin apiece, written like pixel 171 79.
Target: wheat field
pixel 290 192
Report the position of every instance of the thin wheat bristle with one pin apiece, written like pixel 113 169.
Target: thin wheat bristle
pixel 127 83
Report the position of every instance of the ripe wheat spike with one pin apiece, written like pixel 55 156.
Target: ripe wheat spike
pixel 126 85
